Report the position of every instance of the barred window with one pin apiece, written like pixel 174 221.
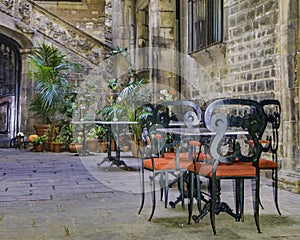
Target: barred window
pixel 205 23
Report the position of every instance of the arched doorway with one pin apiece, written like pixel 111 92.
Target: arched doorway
pixel 10 72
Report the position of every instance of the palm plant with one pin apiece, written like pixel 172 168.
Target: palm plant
pixel 50 69
pixel 127 106
pixel 128 95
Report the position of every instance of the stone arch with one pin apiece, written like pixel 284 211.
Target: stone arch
pixel 12 45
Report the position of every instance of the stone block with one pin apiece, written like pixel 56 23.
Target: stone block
pixel 167 19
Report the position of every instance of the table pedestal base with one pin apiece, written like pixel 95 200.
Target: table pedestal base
pixel 113 161
pixel 220 207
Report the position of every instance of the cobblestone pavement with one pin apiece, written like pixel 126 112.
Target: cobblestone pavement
pixel 62 196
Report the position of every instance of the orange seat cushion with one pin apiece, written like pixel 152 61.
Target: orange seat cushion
pixel 267 164
pixel 165 164
pixel 185 156
pixel 195 143
pixel 235 169
pixel 262 141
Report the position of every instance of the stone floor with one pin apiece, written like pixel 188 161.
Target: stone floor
pixel 62 196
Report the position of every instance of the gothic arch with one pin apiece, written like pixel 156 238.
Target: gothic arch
pixel 10 77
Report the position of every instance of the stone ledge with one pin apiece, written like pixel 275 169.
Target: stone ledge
pixel 289 180
pixel 210 55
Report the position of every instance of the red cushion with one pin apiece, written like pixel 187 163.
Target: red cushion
pixel 235 169
pixel 165 164
pixel 195 143
pixel 185 156
pixel 267 164
pixel 262 141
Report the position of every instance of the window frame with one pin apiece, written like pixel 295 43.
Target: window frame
pixel 208 15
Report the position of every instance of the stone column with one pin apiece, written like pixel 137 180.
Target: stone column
pixel 289 92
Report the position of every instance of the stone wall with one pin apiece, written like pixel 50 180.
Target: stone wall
pixel 88 15
pixel 258 59
pixel 29 24
pixel 252 49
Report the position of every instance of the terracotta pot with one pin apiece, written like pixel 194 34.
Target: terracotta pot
pixel 78 147
pixel 136 150
pixel 48 130
pixel 42 129
pixel 57 147
pixel 103 146
pixel 72 148
pixel 113 145
pixel 92 145
pixel 38 148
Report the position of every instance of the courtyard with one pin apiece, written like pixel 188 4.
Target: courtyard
pixel 62 196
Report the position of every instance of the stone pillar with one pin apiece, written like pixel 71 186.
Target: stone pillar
pixel 27 120
pixel 120 28
pixel 289 93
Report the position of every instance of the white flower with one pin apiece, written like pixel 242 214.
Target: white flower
pixel 163 92
pixel 20 134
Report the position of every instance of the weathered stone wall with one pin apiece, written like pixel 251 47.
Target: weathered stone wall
pixel 252 49
pixel 121 23
pixel 261 64
pixel 88 15
pixel 258 60
pixel 29 25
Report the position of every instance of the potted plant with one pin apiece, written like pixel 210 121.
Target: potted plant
pixel 101 133
pixel 126 99
pixel 72 146
pixel 75 144
pixel 57 143
pixel 37 142
pixel 49 69
pixel 92 143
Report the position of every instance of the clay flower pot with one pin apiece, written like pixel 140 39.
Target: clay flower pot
pixel 57 147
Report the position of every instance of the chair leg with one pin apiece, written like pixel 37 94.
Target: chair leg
pixel 240 199
pixel 260 203
pixel 256 206
pixel 142 190
pixel 198 192
pixel 153 198
pixel 213 205
pixel 191 195
pixel 181 182
pixel 161 184
pixel 275 190
pixel 166 189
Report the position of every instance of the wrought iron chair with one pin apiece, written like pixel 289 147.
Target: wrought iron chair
pixel 269 143
pixel 249 118
pixel 156 160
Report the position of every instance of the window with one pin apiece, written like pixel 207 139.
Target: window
pixel 205 23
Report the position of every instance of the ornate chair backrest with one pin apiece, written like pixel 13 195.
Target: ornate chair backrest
pixel 185 112
pixel 236 115
pixel 272 109
pixel 174 114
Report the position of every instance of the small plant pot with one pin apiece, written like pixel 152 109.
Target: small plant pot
pixel 113 145
pixel 78 147
pixel 92 145
pixel 103 146
pixel 72 148
pixel 135 149
pixel 38 148
pixel 57 147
